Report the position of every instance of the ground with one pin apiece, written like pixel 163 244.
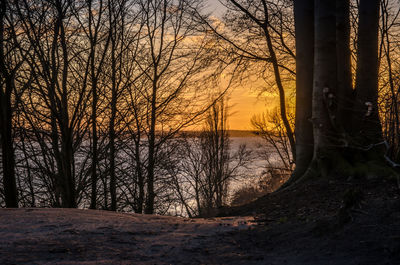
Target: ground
pixel 312 224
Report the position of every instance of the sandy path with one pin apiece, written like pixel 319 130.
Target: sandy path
pixel 68 236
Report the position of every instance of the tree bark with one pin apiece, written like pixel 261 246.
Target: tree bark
pixel 113 188
pixel 140 177
pixel 325 82
pixel 94 177
pixel 367 126
pixel 8 160
pixel 66 130
pixel 278 80
pixel 304 26
pixel 345 95
pixel 151 150
pixel 93 198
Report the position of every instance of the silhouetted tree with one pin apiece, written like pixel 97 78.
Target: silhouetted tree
pixel 206 165
pixel 367 125
pixel 304 24
pixel 389 76
pixel 338 148
pixel 10 62
pixel 98 38
pixel 345 87
pixel 267 18
pixel 174 60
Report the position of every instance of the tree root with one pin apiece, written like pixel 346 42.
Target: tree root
pixel 345 164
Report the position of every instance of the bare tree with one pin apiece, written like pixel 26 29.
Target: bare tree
pixel 92 19
pixel 207 165
pixel 171 70
pixel 99 72
pixel 57 99
pixel 271 129
pixel 263 35
pixel 11 59
pixel 388 77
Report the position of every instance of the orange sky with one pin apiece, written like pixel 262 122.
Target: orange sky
pixel 243 100
pixel 244 104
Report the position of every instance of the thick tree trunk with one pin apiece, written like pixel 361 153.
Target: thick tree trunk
pixel 325 82
pixel 304 24
pixel 367 127
pixel 332 94
pixel 344 87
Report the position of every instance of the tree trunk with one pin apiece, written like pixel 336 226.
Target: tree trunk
pixel 58 189
pixel 93 75
pixel 113 191
pixel 304 25
pixel 344 86
pixel 69 200
pixel 151 151
pixel 66 130
pixel 113 188
pixel 282 98
pixel 139 174
pixel 93 198
pixel 8 160
pixel 367 126
pixel 114 17
pixel 325 83
pixel 28 168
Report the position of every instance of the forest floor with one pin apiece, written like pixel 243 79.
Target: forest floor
pixel 318 223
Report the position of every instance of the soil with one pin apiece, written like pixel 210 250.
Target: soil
pixel 323 222
pixel 320 223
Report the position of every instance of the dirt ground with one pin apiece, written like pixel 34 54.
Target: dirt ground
pixel 314 224
pixel 327 222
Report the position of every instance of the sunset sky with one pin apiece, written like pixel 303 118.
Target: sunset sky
pixel 244 100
